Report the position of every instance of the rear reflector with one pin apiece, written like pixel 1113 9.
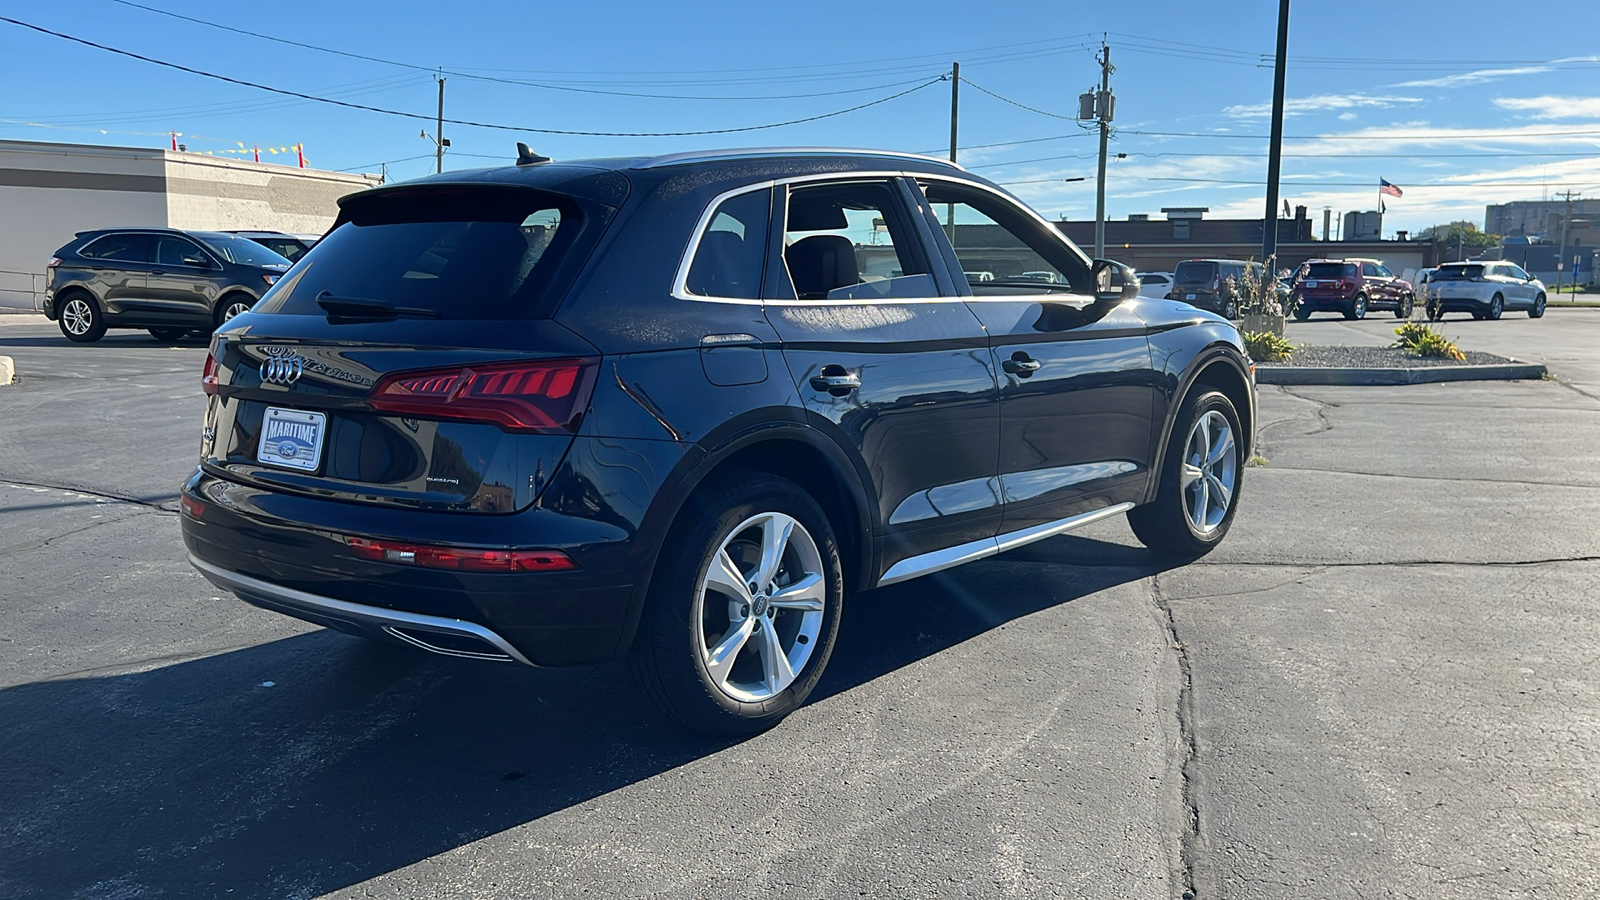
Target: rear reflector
pixel 541 395
pixel 462 559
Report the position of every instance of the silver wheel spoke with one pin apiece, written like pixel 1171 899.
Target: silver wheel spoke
pixel 720 659
pixel 775 533
pixel 1190 475
pixel 774 662
pixel 805 595
pixel 1222 494
pixel 1223 448
pixel 1202 434
pixel 1202 499
pixel 724 576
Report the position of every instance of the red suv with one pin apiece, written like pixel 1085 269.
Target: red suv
pixel 1351 287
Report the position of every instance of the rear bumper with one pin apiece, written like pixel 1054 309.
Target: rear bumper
pixel 1462 303
pixel 449 637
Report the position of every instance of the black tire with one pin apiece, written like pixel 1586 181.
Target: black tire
pixel 168 335
pixel 1435 312
pixel 1497 306
pixel 1301 314
pixel 1164 525
pixel 1357 308
pixel 1537 310
pixel 232 305
pixel 1230 309
pixel 79 316
pixel 668 657
pixel 1407 304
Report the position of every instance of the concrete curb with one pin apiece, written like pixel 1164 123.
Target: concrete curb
pixel 1290 375
pixel 8 370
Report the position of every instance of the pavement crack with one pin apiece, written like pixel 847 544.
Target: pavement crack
pixel 1401 563
pixel 17 549
pixel 159 504
pixel 1189 840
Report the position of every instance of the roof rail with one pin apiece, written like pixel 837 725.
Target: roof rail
pixel 696 156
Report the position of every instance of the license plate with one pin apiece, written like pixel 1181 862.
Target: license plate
pixel 291 438
pixel 1188 296
pixel 1311 284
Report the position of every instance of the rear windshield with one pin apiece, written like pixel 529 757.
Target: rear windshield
pixel 1194 272
pixel 1457 273
pixel 1331 270
pixel 468 255
pixel 241 251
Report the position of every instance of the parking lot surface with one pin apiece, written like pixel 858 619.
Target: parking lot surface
pixel 1381 685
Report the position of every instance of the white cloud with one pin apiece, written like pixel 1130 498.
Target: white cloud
pixel 1394 138
pixel 1553 107
pixel 1348 117
pixel 1475 77
pixel 1320 102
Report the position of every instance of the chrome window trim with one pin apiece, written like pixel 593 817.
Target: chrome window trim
pixel 950 557
pixel 680 290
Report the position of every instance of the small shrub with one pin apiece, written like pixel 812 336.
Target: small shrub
pixel 1421 339
pixel 1266 347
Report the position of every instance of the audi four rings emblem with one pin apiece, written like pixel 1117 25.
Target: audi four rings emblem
pixel 284 370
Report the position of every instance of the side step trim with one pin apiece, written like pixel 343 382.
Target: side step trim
pixel 372 618
pixel 950 557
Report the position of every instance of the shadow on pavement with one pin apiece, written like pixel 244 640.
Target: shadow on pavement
pixel 319 761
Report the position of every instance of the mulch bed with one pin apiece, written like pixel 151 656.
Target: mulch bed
pixel 1378 358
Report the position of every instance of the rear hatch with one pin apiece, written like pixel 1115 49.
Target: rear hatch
pixel 1329 279
pixel 1194 277
pixel 408 359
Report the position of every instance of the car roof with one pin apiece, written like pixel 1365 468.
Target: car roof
pixel 254 233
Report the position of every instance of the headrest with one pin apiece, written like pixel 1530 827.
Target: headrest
pixel 820 263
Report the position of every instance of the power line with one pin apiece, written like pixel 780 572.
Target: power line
pixel 1018 105
pixel 1419 137
pixel 408 115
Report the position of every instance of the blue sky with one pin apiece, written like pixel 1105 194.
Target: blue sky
pixel 1459 108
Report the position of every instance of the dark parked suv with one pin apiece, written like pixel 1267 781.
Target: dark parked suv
pixel 167 281
pixel 1350 287
pixel 678 409
pixel 1213 284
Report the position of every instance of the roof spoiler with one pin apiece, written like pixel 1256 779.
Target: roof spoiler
pixel 526 156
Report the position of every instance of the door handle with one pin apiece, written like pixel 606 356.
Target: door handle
pixel 157 272
pixel 835 380
pixel 1020 365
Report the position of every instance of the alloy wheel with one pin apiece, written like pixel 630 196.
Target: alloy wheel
pixel 234 309
pixel 77 317
pixel 760 607
pixel 1210 471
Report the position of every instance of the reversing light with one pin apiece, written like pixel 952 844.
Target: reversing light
pixel 532 396
pixel 461 559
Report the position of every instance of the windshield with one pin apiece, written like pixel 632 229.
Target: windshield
pixel 489 257
pixel 1194 272
pixel 1457 273
pixel 1330 270
pixel 241 251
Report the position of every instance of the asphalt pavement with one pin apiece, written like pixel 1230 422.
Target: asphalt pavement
pixel 1381 685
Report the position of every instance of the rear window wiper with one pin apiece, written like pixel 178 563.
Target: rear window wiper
pixel 357 308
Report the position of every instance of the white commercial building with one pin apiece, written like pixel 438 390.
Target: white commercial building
pixel 50 192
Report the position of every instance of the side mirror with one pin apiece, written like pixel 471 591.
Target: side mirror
pixel 1114 281
pixel 199 262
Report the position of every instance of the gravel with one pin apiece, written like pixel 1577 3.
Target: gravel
pixel 1378 358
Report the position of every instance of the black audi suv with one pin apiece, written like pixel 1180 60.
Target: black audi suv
pixel 678 409
pixel 167 281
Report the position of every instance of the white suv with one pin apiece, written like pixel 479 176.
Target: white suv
pixel 1485 288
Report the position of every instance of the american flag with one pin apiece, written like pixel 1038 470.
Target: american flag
pixel 1385 187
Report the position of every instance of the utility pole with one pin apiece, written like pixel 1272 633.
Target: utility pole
pixel 438 134
pixel 955 109
pixel 1269 230
pixel 1103 110
pixel 1566 223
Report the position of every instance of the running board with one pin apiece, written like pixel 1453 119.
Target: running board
pixel 950 557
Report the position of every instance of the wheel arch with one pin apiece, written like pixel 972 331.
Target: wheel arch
pixel 1219 369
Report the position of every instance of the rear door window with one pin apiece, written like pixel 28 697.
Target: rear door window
pixel 122 248
pixel 461 255
pixel 1457 273
pixel 1330 270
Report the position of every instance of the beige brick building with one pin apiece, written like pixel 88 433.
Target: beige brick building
pixel 49 192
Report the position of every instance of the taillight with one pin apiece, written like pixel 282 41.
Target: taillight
pixel 208 376
pixel 1216 282
pixel 270 279
pixel 191 507
pixel 461 559
pixel 534 396
pixel 52 262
